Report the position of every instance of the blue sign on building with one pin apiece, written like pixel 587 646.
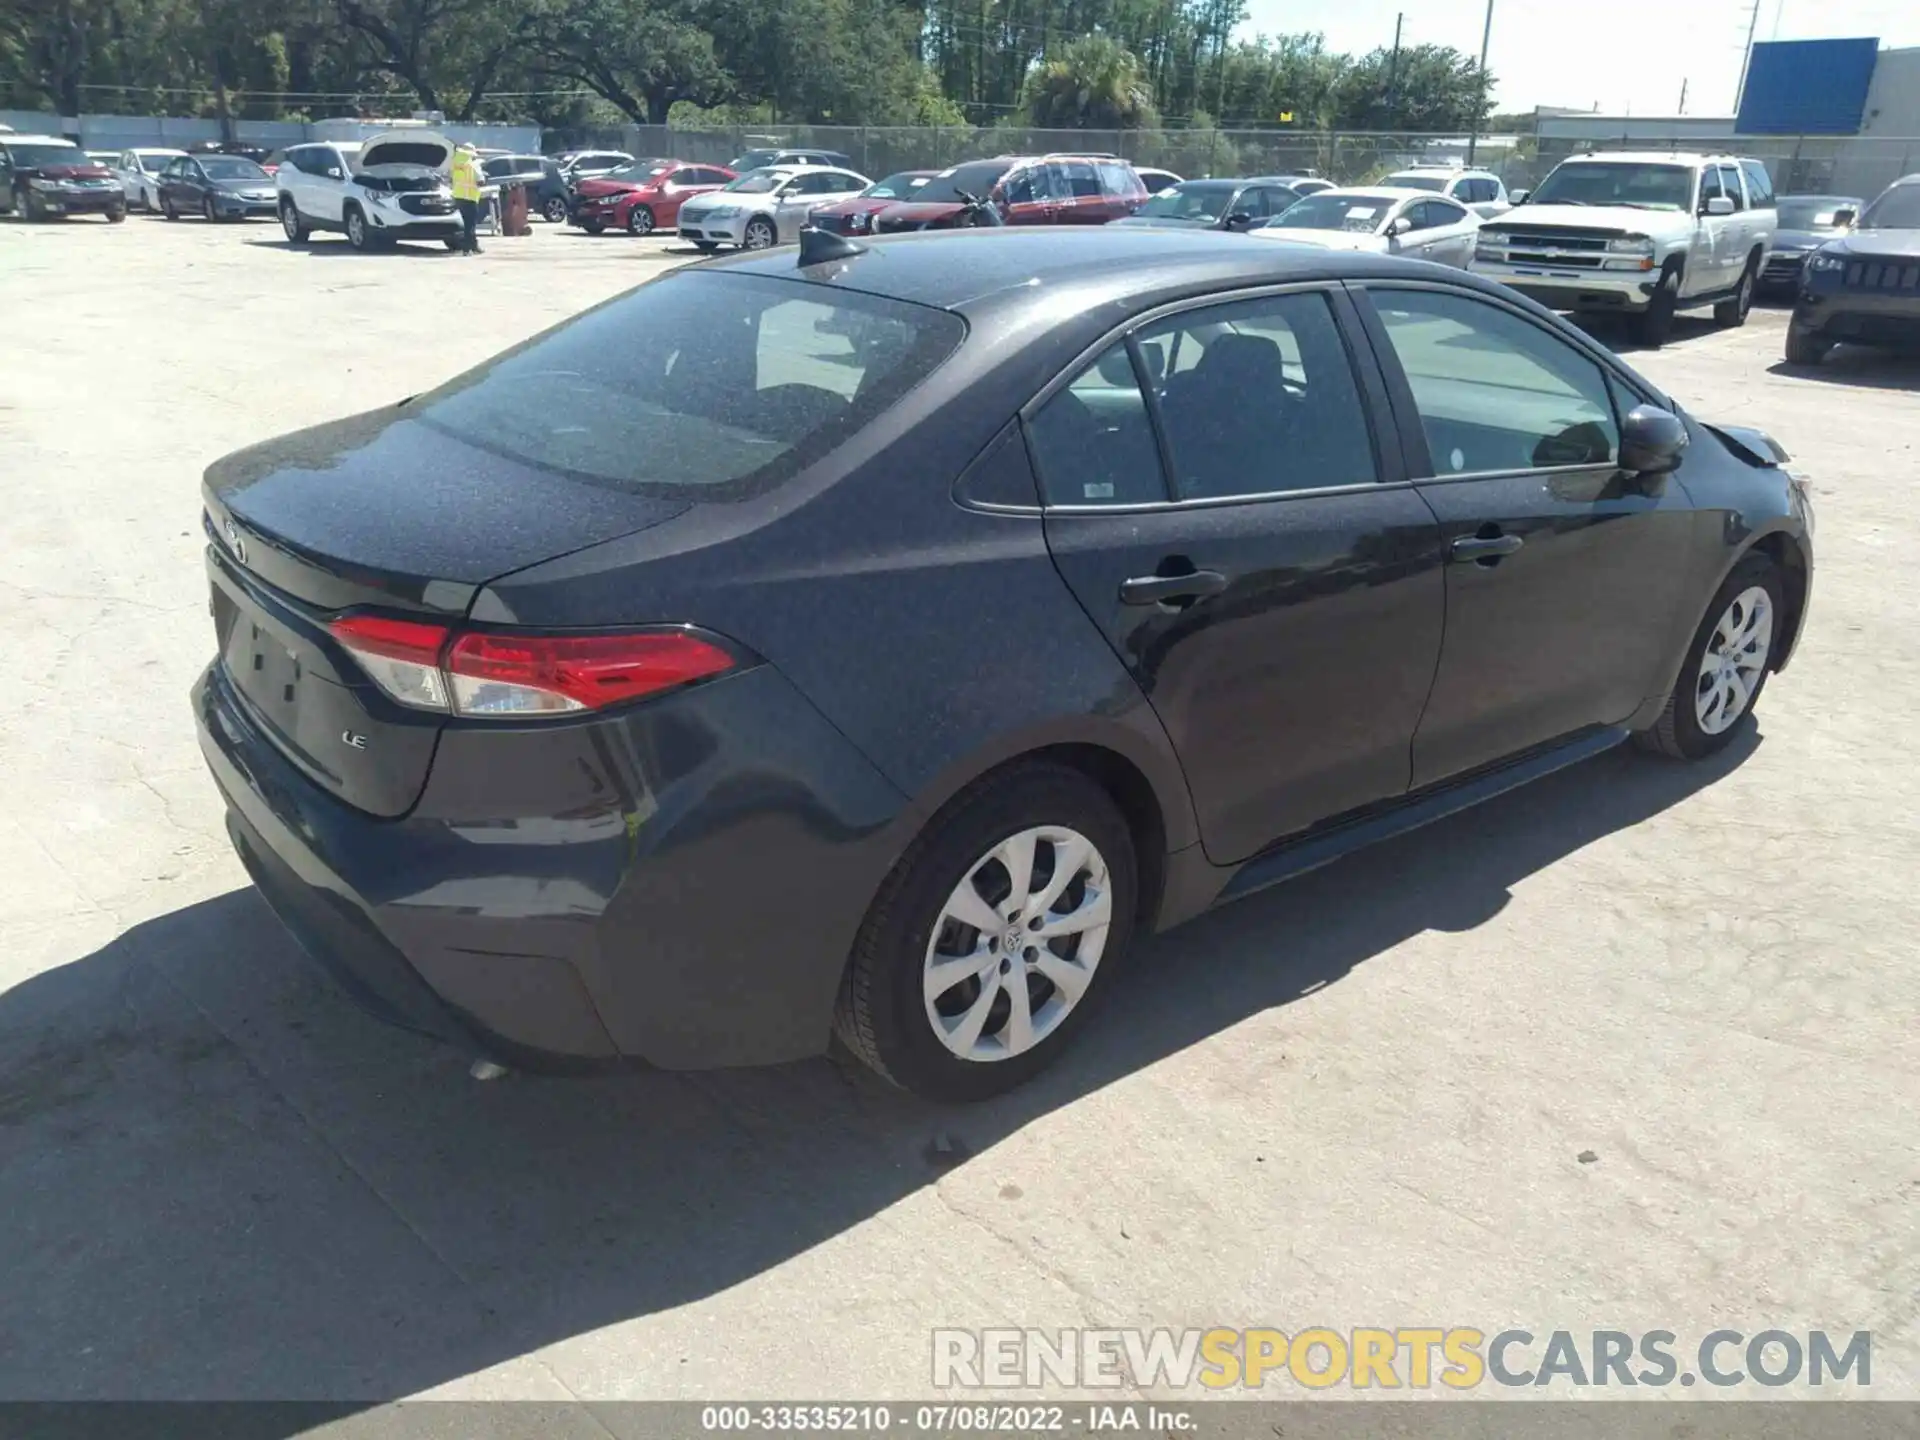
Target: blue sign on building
pixel 1807 87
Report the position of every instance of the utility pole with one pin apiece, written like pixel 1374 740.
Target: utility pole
pixel 1683 96
pixel 1746 58
pixel 1479 114
pixel 1393 74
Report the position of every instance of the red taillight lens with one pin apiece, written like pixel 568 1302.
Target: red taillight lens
pixel 402 657
pixel 503 675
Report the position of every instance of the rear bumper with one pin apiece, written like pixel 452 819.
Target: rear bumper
pixel 1782 271
pixel 1862 316
pixel 677 885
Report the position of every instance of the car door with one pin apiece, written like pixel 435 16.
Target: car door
pixel 1707 264
pixel 1450 232
pixel 1564 571
pixel 1739 229
pixel 1214 497
pixel 329 181
pixel 1026 195
pixel 791 205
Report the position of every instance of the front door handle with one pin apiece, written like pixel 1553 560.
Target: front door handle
pixel 1485 547
pixel 1158 589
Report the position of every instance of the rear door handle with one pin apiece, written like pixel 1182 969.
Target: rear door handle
pixel 1156 589
pixel 1485 547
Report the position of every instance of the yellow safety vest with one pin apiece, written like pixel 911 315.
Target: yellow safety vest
pixel 466 177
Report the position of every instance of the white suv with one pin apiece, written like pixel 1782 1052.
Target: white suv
pixel 391 187
pixel 1481 191
pixel 1645 235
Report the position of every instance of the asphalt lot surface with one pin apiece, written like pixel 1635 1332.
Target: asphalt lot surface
pixel 1360 1100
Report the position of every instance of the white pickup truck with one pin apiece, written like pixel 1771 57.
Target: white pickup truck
pixel 1645 235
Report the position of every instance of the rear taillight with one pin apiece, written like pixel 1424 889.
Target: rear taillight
pixel 494 674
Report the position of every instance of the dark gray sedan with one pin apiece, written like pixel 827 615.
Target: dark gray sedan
pixel 216 187
pixel 1213 205
pixel 873 639
pixel 1806 223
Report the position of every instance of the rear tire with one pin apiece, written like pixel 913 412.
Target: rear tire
pixel 117 217
pixel 593 227
pixel 555 210
pixel 972 1038
pixel 291 223
pixel 1653 326
pixel 1731 314
pixel 1806 347
pixel 1718 687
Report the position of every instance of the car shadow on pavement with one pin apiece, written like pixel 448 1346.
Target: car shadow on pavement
pixel 331 246
pixel 1612 331
pixel 220 1181
pixel 1860 366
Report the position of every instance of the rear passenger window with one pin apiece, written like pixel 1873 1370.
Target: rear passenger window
pixel 1082 182
pixel 1730 182
pixel 1259 397
pixel 1093 443
pixel 1116 180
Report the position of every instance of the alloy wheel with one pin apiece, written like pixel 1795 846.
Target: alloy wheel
pixel 1017 943
pixel 759 235
pixel 1734 660
pixel 356 230
pixel 640 220
pixel 555 211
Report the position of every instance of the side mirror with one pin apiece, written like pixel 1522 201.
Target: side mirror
pixel 1651 440
pixel 1717 205
pixel 1518 197
pixel 1843 218
pixel 334 172
pixel 1239 220
pixel 1399 227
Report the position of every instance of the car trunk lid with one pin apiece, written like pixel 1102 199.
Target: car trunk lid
pixel 377 512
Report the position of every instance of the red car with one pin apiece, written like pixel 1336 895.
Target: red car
pixel 854 215
pixel 1025 189
pixel 642 197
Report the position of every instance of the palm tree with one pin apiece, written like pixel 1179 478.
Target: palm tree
pixel 1095 83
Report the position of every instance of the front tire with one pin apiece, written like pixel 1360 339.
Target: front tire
pixel 1726 665
pixel 168 208
pixel 358 235
pixel 117 217
pixel 291 223
pixel 1806 347
pixel 640 220
pixel 984 949
pixel 207 212
pixel 759 235
pixel 1653 326
pixel 1731 314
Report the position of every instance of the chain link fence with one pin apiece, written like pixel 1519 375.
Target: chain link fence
pixel 1818 164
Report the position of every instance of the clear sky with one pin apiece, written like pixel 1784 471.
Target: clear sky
pixel 1629 56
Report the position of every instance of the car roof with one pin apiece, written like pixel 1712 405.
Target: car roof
pixel 1005 268
pixel 36 140
pixel 1659 157
pixel 1392 192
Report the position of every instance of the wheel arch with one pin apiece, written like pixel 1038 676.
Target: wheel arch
pixel 1790 558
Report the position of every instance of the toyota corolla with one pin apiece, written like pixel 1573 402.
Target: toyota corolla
pixel 876 640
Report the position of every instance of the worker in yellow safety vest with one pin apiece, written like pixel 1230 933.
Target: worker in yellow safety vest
pixel 466 195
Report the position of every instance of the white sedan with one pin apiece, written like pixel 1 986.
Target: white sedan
pixel 138 172
pixel 764 207
pixel 1414 223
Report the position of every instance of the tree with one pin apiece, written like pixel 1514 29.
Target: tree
pixel 641 56
pixel 1095 83
pixel 1430 88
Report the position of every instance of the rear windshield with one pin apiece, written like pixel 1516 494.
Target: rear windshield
pixel 698 381
pixel 897 187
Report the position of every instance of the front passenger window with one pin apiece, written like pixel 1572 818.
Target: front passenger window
pixel 1496 392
